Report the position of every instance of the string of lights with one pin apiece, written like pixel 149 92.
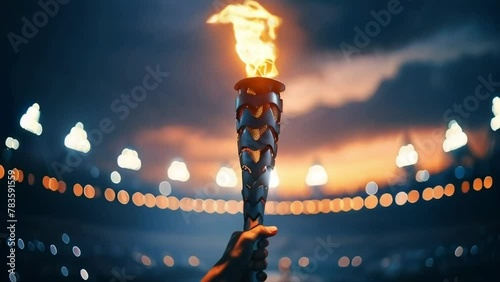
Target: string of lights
pixel 221 206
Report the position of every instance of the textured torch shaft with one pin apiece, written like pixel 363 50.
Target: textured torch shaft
pixel 258 114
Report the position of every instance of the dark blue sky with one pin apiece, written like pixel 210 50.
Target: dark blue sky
pixel 402 78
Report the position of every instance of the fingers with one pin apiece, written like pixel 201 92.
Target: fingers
pixel 263 243
pixel 259 254
pixel 261 276
pixel 258 265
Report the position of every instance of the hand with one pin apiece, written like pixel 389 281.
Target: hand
pixel 240 258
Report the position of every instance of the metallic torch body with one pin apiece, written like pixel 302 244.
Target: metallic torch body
pixel 258 116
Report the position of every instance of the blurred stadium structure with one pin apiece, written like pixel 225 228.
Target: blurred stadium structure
pixel 440 227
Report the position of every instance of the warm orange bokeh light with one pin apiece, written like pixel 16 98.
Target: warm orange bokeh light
pixel 386 200
pixel 324 206
pixel 146 260
pixel 357 203
pixel 488 182
pixel 193 261
pixel 45 182
pixel 270 208
pixel 465 187
pixel 401 198
pixel 336 206
pixel 62 186
pixel 231 207
pixel 168 261
pixel 149 200
pixel 2 172
pixel 413 196
pixel 123 197
pixel 449 190
pixel 438 192
pixel 198 205
pixel 477 184
pixel 53 184
pixel 255 32
pixel 89 191
pixel 19 175
pixel 109 194
pixel 428 194
pixel 138 199
pixel 77 189
pixel 173 203
pixel 346 204
pixel 296 207
pixel 161 202
pixel 371 202
pixel 186 204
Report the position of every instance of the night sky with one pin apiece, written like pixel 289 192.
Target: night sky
pixel 356 89
pixel 363 78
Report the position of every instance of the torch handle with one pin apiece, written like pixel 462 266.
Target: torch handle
pixel 258 115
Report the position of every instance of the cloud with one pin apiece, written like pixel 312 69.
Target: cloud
pixel 12 143
pixel 335 81
pixel 397 104
pixel 455 137
pixel 178 171
pixel 406 156
pixel 495 108
pixel 129 159
pixel 334 21
pixel 29 121
pixel 77 139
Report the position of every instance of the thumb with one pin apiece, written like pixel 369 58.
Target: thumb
pixel 261 231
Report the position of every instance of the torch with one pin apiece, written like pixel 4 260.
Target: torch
pixel 258 105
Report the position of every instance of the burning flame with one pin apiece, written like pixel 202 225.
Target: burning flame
pixel 254 30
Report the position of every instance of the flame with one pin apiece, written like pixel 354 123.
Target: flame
pixel 255 32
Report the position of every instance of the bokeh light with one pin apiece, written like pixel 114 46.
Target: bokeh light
pixel 477 184
pixel 165 188
pixel 356 261
pixel 386 200
pixel 371 188
pixel 77 189
pixel 84 274
pixel 194 261
pixel 115 177
pixel 123 197
pixel 168 261
pixel 371 202
pixel 303 262
pixel 413 196
pixel 109 194
pixel 344 261
pixel 401 198
pixel 316 176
